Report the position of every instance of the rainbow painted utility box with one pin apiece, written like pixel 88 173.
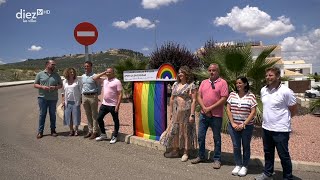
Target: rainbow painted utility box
pixel 150 100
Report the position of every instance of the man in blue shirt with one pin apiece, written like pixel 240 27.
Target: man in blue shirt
pixel 90 92
pixel 48 82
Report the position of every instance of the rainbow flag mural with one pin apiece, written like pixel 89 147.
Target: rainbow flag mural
pixel 166 71
pixel 150 105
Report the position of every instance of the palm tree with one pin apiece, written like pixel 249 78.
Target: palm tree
pixel 125 65
pixel 234 61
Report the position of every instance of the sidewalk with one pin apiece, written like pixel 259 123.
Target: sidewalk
pixel 226 157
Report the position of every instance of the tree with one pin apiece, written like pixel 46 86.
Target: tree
pixel 315 107
pixel 125 65
pixel 314 76
pixel 174 54
pixel 235 61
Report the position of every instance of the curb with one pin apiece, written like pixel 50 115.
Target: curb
pixel 15 83
pixel 255 161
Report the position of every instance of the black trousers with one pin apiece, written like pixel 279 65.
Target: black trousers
pixel 280 141
pixel 103 111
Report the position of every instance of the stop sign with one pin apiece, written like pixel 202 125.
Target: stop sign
pixel 85 33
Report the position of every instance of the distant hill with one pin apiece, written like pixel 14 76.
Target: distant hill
pixel 100 60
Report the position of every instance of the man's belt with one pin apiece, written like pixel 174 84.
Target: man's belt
pixel 87 94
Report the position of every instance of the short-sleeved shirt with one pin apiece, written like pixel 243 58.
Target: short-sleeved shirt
pixel 88 84
pixel 45 79
pixel 211 96
pixel 111 88
pixel 276 113
pixel 241 107
pixel 72 92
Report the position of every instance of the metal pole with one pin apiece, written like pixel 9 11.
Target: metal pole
pixel 86 49
pixel 155 34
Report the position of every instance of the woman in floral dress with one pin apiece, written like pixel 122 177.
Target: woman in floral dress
pixel 180 135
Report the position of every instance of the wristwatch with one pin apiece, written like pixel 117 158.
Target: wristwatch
pixel 192 115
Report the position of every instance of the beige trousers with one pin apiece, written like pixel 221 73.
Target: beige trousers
pixel 90 105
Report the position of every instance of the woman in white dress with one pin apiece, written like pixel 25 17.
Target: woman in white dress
pixel 71 100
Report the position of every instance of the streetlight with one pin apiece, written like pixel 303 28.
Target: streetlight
pixel 155 33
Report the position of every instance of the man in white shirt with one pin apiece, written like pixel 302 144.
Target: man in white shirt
pixel 279 106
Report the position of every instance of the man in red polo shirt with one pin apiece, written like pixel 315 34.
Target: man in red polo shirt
pixel 212 95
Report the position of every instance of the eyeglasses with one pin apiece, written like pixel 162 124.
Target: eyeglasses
pixel 212 85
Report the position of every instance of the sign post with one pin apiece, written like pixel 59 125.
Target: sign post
pixel 86 34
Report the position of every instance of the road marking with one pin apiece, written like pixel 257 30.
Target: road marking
pixel 85 33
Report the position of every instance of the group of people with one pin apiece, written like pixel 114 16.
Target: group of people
pixel 180 138
pixel 77 91
pixel 279 106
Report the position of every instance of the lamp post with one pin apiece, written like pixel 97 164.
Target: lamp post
pixel 155 33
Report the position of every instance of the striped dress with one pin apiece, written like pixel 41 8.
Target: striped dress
pixel 241 107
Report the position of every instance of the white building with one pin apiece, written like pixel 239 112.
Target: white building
pixel 294 69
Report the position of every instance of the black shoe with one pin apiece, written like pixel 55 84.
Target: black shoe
pixel 197 160
pixel 88 135
pixel 54 133
pixel 93 135
pixel 171 154
pixel 40 135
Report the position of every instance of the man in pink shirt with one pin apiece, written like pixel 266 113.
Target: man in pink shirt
pixel 212 95
pixel 112 95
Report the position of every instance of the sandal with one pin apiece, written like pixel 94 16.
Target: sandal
pixel 171 154
pixel 71 133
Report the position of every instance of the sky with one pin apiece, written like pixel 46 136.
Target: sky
pixel 33 29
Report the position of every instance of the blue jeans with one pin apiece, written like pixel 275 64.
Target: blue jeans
pixel 43 107
pixel 241 137
pixel 215 124
pixel 279 140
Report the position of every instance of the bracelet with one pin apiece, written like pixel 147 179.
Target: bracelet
pixel 192 115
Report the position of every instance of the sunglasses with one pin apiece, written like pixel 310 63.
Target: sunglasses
pixel 212 85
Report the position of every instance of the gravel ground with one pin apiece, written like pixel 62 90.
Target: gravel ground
pixel 303 144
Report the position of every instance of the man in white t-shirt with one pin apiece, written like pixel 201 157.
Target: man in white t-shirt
pixel 112 95
pixel 279 106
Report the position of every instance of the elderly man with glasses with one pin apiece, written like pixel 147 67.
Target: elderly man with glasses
pixel 212 95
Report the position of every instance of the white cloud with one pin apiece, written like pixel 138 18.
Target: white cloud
pixel 1 61
pixel 145 49
pixel 305 47
pixel 155 4
pixel 139 22
pixel 2 2
pixel 254 22
pixel 35 48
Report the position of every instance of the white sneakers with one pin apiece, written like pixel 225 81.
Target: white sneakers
pixel 101 137
pixel 240 171
pixel 184 158
pixel 243 171
pixel 236 170
pixel 113 140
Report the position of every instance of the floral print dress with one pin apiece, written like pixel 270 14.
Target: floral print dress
pixel 181 134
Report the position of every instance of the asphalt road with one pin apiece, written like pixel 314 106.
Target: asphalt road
pixel 22 156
